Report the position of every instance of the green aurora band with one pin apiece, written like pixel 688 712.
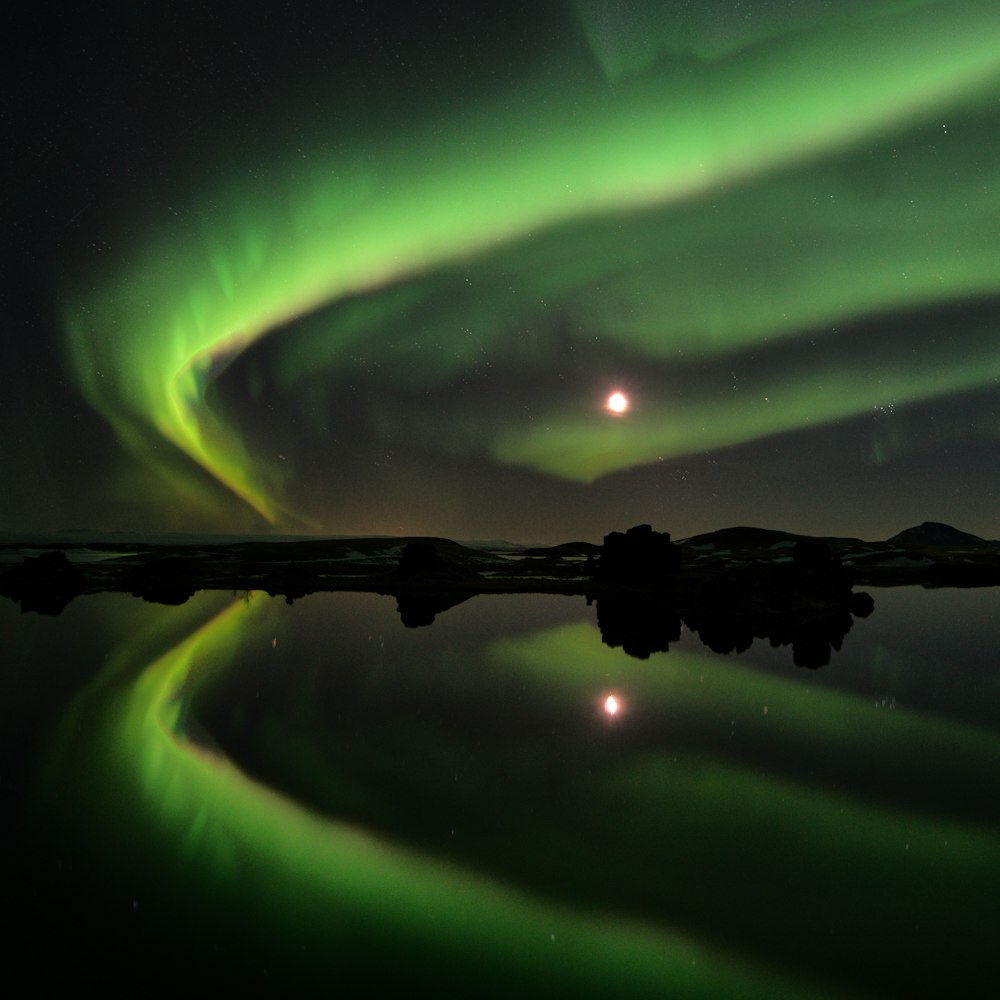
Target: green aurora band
pixel 330 882
pixel 320 878
pixel 695 202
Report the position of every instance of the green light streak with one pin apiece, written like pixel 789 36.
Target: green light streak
pixel 147 343
pixel 153 787
pixel 741 821
pixel 572 663
pixel 668 892
pixel 566 445
pixel 156 792
pixel 629 39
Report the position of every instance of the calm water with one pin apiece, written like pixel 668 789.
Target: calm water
pixel 236 793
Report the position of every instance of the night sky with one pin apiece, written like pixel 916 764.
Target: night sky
pixel 377 269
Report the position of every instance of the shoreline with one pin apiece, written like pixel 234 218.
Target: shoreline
pixel 40 572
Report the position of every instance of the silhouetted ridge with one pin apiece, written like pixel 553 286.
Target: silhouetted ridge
pixel 936 533
pixel 740 538
pixel 734 573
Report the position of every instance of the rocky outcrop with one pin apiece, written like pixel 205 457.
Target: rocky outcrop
pixel 638 555
pixel 44 584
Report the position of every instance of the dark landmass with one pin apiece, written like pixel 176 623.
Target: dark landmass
pixel 50 573
pixel 729 586
pixel 940 535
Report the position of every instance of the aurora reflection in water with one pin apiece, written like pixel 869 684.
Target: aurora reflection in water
pixel 254 792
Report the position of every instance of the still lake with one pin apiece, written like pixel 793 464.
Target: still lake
pixel 239 793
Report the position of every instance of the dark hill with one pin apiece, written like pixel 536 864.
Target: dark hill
pixel 937 534
pixel 740 538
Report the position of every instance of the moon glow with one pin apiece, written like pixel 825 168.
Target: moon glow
pixel 617 403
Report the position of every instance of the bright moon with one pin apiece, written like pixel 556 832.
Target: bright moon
pixel 617 402
pixel 611 705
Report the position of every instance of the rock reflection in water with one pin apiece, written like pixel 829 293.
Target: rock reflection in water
pixel 641 627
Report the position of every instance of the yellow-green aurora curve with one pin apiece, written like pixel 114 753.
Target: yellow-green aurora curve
pixel 153 790
pixel 750 248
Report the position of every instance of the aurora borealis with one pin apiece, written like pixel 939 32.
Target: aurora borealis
pixel 375 271
pixel 362 268
pixel 276 791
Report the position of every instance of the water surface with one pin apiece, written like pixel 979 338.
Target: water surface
pixel 252 792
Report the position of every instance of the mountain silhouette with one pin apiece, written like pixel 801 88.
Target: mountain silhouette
pixel 935 533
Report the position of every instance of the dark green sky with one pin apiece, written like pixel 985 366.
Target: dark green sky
pixel 377 270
